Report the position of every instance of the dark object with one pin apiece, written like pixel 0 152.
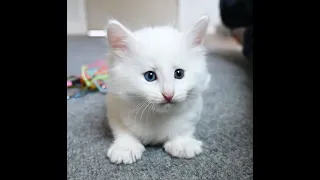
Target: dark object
pixel 248 43
pixel 236 14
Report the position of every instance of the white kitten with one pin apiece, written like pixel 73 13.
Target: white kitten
pixel 156 79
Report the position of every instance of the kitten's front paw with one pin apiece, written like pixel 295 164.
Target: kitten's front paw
pixel 183 147
pixel 125 151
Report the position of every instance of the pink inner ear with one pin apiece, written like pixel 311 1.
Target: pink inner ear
pixel 117 42
pixel 197 41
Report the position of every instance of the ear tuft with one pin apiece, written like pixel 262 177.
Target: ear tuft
pixel 199 31
pixel 118 36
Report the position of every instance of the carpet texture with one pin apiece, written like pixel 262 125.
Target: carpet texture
pixel 225 128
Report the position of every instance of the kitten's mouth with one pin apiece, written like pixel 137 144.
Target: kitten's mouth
pixel 168 103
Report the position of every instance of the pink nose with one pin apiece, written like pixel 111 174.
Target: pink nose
pixel 167 97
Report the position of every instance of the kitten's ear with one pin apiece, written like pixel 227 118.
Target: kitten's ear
pixel 118 36
pixel 199 31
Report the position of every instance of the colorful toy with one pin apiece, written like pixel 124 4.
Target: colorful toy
pixel 93 78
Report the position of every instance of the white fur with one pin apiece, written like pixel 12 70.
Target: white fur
pixel 135 113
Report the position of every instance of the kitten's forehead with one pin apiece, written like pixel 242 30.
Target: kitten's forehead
pixel 161 44
pixel 159 34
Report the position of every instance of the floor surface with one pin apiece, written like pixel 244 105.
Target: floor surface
pixel 225 128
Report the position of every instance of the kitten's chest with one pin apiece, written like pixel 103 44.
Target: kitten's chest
pixel 155 130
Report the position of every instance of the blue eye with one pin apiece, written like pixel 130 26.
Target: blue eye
pixel 150 76
pixel 178 73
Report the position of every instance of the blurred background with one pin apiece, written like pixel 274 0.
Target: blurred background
pixel 89 17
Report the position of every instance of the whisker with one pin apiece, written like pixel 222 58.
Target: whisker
pixel 137 112
pixel 135 108
pixel 144 110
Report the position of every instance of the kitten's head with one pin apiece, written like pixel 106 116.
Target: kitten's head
pixel 159 65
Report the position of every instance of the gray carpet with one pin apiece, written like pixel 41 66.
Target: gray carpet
pixel 225 128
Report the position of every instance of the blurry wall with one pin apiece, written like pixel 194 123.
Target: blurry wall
pixel 76 18
pixel 191 10
pixel 132 13
pixel 86 15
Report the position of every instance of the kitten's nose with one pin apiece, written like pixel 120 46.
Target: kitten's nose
pixel 167 96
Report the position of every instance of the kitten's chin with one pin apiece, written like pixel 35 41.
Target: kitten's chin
pixel 165 107
pixel 168 107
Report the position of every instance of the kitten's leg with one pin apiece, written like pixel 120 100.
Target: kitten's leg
pixel 125 148
pixel 183 146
